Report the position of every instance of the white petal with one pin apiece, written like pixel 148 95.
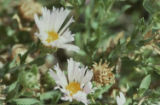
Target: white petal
pixel 67 37
pixel 76 72
pixel 60 16
pixel 36 20
pixel 88 88
pixel 67 24
pixel 70 69
pixel 82 97
pixel 61 75
pixel 88 76
pixel 121 99
pixel 69 47
pixel 82 73
pixel 54 75
pixel 66 98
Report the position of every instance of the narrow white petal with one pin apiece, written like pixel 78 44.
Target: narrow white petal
pixel 87 77
pixel 61 75
pixel 67 37
pixel 82 97
pixel 82 74
pixel 76 71
pixel 67 24
pixel 60 16
pixel 36 20
pixel 69 47
pixel 54 75
pixel 70 69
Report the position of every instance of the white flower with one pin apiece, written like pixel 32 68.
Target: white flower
pixel 49 25
pixel 77 85
pixel 121 99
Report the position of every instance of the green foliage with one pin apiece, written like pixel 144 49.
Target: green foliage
pixel 153 6
pixel 101 90
pixel 125 33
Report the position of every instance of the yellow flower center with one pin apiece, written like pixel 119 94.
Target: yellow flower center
pixel 73 87
pixel 52 36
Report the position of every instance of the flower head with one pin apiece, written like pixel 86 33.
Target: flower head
pixel 49 25
pixel 103 73
pixel 77 85
pixel 121 99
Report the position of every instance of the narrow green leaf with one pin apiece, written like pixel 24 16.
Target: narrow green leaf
pixel 26 101
pixel 47 95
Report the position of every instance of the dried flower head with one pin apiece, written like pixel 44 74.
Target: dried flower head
pixel 103 73
pixel 28 8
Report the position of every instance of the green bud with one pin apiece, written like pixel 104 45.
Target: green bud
pixel 28 79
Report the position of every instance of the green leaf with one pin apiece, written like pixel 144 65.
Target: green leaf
pixel 101 90
pixel 13 62
pixel 55 95
pixel 12 86
pixel 38 61
pixel 145 82
pixel 23 57
pixel 26 101
pixel 12 90
pixel 152 6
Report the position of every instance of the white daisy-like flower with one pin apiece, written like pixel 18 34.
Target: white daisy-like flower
pixel 77 85
pixel 49 25
pixel 121 100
